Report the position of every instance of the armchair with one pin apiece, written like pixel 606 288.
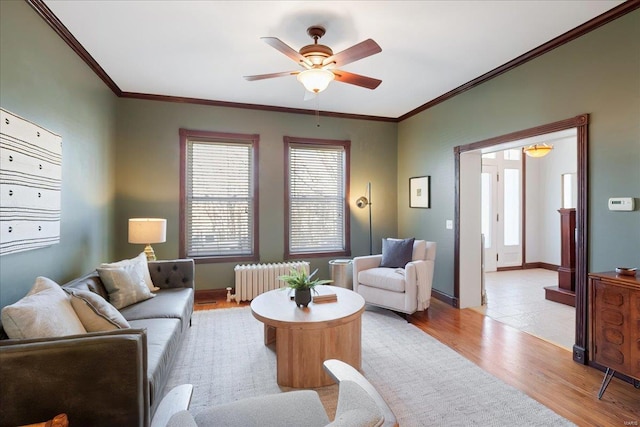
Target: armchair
pixel 359 404
pixel 405 290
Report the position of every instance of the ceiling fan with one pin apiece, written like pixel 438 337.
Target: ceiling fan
pixel 321 64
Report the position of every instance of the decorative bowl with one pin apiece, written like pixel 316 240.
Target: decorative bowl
pixel 626 271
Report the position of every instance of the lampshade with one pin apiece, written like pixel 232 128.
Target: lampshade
pixel 147 230
pixel 538 150
pixel 316 79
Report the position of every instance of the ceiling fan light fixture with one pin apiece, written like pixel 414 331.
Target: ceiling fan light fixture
pixel 538 150
pixel 316 80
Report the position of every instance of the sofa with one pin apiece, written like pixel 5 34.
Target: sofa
pixel 105 378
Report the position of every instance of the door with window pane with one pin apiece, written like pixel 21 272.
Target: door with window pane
pixel 502 208
pixel 489 211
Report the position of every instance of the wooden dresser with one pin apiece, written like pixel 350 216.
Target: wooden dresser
pixel 614 301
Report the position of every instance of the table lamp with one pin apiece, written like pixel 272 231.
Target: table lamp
pixel 146 231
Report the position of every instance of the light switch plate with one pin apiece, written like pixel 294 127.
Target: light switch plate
pixel 449 224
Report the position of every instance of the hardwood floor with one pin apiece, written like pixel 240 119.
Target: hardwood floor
pixel 538 368
pixel 543 371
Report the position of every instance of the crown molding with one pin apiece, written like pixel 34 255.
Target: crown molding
pixel 50 18
pixel 570 35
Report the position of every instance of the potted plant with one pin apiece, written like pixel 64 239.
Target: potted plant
pixel 302 284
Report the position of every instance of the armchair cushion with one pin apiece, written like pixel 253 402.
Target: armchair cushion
pixel 391 279
pixel 419 250
pixel 290 409
pixel 396 253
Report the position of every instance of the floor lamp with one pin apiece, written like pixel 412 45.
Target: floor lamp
pixel 361 203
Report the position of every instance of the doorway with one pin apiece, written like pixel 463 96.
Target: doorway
pixel 503 184
pixel 521 196
pixel 467 245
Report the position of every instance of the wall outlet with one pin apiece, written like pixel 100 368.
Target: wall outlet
pixel 449 224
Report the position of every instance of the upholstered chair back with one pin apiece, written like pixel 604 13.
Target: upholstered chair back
pixel 423 250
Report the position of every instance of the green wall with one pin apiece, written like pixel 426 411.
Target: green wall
pixel 44 81
pixel 598 74
pixel 120 156
pixel 147 174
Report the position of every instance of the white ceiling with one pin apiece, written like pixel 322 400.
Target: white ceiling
pixel 201 49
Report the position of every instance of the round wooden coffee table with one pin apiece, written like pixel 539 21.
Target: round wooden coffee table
pixel 306 337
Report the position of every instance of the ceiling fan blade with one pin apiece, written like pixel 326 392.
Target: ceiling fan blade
pixel 352 54
pixel 271 75
pixel 356 79
pixel 287 50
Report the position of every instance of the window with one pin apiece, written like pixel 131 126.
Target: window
pixel 218 196
pixel 316 192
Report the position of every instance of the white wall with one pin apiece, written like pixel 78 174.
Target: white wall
pixel 470 230
pixel 544 198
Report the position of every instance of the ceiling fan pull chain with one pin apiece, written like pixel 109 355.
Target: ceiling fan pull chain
pixel 317 110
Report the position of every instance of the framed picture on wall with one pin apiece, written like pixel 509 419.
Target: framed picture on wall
pixel 420 192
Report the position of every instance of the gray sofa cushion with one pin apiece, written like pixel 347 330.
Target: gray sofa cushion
pixel 174 303
pixel 163 340
pixel 95 313
pixel 89 282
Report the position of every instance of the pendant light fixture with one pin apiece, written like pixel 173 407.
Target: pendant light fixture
pixel 315 80
pixel 538 150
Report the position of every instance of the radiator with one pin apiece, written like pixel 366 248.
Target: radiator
pixel 255 279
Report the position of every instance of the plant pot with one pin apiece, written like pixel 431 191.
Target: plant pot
pixel 302 297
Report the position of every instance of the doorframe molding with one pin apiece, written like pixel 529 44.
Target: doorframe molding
pixel 581 123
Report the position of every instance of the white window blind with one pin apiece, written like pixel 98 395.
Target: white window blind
pixel 219 199
pixel 316 198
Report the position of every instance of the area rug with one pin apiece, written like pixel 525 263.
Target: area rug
pixel 424 382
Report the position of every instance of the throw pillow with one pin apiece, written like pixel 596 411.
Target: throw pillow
pixel 45 312
pixel 125 285
pixel 140 264
pixel 95 313
pixel 396 253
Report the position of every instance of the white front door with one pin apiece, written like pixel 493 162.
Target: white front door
pixel 502 208
pixel 489 178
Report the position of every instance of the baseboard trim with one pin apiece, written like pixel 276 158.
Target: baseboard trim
pixel 516 267
pixel 446 298
pixel 544 265
pixel 208 296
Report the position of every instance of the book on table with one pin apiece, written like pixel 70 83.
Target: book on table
pixel 323 294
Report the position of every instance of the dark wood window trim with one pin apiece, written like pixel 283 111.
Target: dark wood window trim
pixel 347 213
pixel 581 123
pixel 188 134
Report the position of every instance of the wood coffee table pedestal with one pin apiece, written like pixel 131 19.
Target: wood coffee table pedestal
pixel 306 337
